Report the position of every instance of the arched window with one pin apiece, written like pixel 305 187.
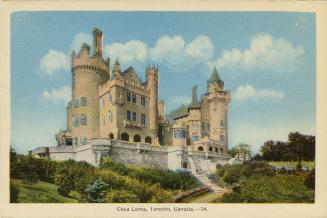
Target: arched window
pixel 137 138
pixel 221 150
pixel 111 136
pixel 216 150
pixel 148 139
pixel 210 148
pixel 124 136
pixel 200 148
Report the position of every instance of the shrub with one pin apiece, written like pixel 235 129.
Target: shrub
pixel 96 192
pixel 121 196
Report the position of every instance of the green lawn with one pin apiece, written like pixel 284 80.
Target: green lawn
pixel 309 164
pixel 42 192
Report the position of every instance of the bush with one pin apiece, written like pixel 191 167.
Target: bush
pixel 96 192
pixel 121 196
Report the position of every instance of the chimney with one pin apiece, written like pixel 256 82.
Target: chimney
pixel 97 42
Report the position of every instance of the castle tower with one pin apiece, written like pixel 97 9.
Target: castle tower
pixel 87 73
pixel 218 99
pixel 152 76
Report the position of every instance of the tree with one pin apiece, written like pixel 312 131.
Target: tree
pixel 96 192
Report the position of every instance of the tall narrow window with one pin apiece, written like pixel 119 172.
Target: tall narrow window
pixel 143 119
pixel 75 121
pixel 110 116
pixel 83 101
pixel 221 124
pixel 110 97
pixel 128 115
pixel 222 139
pixel 143 100
pixel 128 96
pixel 83 119
pixel 134 116
pixel 101 101
pixel 134 98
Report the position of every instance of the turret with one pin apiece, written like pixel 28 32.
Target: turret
pixel 218 99
pixel 152 76
pixel 195 102
pixel 116 71
pixel 87 73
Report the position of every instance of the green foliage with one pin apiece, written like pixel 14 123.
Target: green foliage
pixel 122 196
pixel 298 147
pixel 256 181
pixel 240 149
pixel 41 192
pixel 118 182
pixel 271 189
pixel 96 192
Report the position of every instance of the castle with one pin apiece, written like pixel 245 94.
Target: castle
pixel 115 109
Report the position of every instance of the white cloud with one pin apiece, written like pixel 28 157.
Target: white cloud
pixel 246 92
pixel 265 52
pixel 201 48
pixel 54 61
pixel 58 95
pixel 178 55
pixel 79 39
pixel 130 53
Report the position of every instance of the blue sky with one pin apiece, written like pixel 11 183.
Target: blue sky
pixel 267 60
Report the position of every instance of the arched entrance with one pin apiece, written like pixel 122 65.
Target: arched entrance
pixel 137 138
pixel 124 136
pixel 148 139
pixel 210 148
pixel 200 148
pixel 111 136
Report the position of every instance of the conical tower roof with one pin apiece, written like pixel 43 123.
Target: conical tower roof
pixel 215 77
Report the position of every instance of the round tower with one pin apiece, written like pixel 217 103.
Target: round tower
pixel 152 76
pixel 88 73
pixel 218 99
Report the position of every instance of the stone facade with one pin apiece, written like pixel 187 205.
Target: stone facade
pixel 115 113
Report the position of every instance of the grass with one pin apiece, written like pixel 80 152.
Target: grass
pixel 308 164
pixel 42 192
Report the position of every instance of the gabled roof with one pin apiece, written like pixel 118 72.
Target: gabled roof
pixel 130 74
pixel 182 111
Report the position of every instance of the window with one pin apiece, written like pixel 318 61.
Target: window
pixel 101 101
pixel 83 101
pixel 75 122
pixel 83 119
pixel 210 148
pixel 179 134
pixel 110 97
pixel 128 96
pixel 134 98
pixel 76 103
pixel 143 100
pixel 128 115
pixel 222 139
pixel 143 119
pixel 200 148
pixel 221 124
pixel 195 137
pixel 110 116
pixel 134 116
pixel 83 140
pixel 216 150
pixel 221 150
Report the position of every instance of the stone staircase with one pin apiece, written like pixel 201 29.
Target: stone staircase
pixel 202 176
